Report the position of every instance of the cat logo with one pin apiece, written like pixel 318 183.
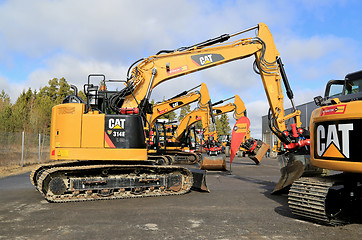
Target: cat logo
pixel 173 105
pixel 116 123
pixel 333 140
pixel 176 104
pixel 205 59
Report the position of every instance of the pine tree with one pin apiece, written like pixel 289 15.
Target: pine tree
pixel 21 111
pixel 222 125
pixel 5 112
pixel 184 111
pixel 171 116
pixel 48 97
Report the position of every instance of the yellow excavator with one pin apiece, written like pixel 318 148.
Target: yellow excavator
pixel 335 141
pixel 214 160
pixel 102 139
pixel 174 153
pixel 254 148
pixel 206 114
pixel 178 101
pixel 181 135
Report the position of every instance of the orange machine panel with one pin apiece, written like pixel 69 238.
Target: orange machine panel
pixel 93 130
pixel 66 125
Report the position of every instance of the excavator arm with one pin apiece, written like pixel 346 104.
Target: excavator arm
pixel 255 148
pixel 181 100
pixel 205 116
pixel 169 64
pixel 191 118
pixel 238 107
pixel 145 74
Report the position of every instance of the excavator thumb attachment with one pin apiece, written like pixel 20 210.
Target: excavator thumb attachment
pixel 259 152
pixel 199 180
pixel 217 162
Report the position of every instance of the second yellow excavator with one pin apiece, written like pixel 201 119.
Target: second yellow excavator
pixel 254 148
pixel 174 153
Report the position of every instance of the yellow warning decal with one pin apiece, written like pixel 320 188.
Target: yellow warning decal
pixel 63 153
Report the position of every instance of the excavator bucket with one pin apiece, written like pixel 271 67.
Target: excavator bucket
pixel 199 180
pixel 213 162
pixel 259 153
pixel 291 168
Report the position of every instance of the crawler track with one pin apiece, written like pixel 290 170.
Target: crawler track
pixel 73 182
pixel 186 158
pixel 178 157
pixel 308 200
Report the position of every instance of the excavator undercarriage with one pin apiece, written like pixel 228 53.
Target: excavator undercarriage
pixel 330 200
pixel 83 181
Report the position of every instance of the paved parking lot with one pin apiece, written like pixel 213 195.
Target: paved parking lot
pixel 239 206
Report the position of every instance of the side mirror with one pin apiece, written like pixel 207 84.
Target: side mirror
pixel 318 100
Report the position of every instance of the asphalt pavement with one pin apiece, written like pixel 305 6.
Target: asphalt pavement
pixel 239 206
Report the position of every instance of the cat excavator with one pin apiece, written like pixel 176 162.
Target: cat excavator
pixel 213 160
pixel 255 148
pixel 202 113
pixel 336 131
pixel 175 154
pixel 102 139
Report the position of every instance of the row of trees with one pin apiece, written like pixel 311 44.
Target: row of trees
pixel 32 110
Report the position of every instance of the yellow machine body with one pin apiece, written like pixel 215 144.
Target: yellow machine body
pixel 335 133
pixel 76 135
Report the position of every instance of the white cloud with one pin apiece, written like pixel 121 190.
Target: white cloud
pixel 12 89
pixel 297 50
pixel 255 110
pixel 75 38
pixel 311 5
pixel 106 29
pixel 318 58
pixel 75 71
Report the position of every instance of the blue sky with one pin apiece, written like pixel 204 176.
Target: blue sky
pixel 40 40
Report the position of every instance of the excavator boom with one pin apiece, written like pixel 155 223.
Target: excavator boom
pixel 176 102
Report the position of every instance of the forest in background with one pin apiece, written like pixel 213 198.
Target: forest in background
pixel 31 112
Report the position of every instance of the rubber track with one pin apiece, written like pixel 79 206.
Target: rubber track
pixel 192 158
pixel 307 199
pixel 48 166
pixel 94 196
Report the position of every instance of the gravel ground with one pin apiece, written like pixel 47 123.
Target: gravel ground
pixel 239 206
